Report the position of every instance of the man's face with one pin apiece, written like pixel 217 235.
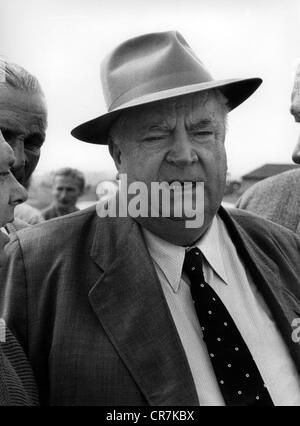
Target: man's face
pixel 23 122
pixel 11 192
pixel 66 191
pixel 176 140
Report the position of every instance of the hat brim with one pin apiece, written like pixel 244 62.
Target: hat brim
pixel 235 90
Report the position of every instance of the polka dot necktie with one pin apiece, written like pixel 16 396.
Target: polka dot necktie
pixel 237 374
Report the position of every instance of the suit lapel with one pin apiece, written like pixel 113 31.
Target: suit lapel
pixel 129 302
pixel 265 273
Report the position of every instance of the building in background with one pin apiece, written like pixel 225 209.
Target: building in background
pixel 263 172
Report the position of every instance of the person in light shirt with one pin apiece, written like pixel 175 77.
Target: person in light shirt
pixel 125 309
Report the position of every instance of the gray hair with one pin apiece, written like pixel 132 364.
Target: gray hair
pixel 17 77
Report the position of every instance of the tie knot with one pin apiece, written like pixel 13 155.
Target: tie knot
pixel 192 264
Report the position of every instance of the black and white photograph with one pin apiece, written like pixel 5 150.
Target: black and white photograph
pixel 149 205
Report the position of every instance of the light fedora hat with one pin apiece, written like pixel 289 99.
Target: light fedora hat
pixel 151 68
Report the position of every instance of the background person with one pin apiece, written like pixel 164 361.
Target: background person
pixel 68 186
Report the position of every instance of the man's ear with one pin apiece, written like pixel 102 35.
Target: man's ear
pixel 115 152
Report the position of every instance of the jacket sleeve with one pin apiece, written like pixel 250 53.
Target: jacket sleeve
pixel 18 386
pixel 13 293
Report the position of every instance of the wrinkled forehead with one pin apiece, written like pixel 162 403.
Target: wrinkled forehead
pixel 194 107
pixel 20 102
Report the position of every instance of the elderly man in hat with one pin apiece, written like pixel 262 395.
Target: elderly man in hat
pixel 143 308
pixel 277 198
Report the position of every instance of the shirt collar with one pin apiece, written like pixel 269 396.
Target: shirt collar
pixel 170 257
pixel 167 256
pixel 213 247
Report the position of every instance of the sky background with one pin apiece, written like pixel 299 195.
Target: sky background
pixel 63 41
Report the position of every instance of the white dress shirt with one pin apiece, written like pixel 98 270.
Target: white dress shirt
pixel 225 272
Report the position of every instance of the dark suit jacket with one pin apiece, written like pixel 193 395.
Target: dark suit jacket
pixel 84 299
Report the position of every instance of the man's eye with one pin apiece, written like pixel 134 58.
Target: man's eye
pixel 33 143
pixel 203 133
pixel 154 138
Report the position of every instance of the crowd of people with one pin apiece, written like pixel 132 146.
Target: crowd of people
pixel 140 309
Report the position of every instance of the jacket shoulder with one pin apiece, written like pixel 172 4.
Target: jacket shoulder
pixel 259 227
pixel 271 191
pixel 56 233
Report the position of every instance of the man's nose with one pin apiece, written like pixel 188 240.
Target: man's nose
pixel 296 153
pixel 182 152
pixel 18 193
pixel 18 148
